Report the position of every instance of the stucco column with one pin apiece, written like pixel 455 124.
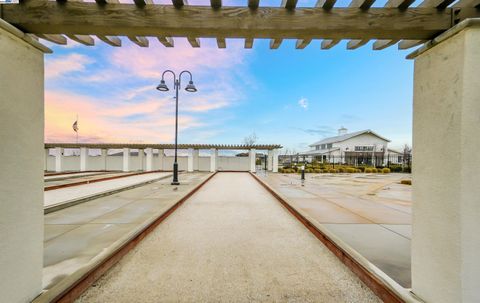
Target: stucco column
pixel 252 156
pixel 141 158
pixel 161 159
pixel 190 160
pixel 104 158
pixel 446 171
pixel 21 162
pixel 58 159
pixel 83 158
pixel 275 161
pixel 213 160
pixel 45 165
pixel 196 155
pixel 126 159
pixel 149 163
pixel 270 160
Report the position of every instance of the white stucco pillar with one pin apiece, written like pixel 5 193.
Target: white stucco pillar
pixel 149 162
pixel 213 160
pixel 252 156
pixel 141 158
pixel 104 153
pixel 275 161
pixel 126 159
pixel 83 158
pixel 161 159
pixel 21 174
pixel 270 160
pixel 446 171
pixel 45 164
pixel 58 159
pixel 196 159
pixel 190 160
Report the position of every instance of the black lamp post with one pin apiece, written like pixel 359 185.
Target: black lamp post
pixel 189 88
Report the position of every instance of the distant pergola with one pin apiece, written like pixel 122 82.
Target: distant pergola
pixel 164 146
pixel 394 23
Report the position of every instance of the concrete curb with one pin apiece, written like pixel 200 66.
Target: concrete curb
pixel 70 288
pixel 69 203
pixel 53 187
pixel 63 177
pixel 381 284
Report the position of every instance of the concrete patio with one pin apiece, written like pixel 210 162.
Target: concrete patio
pixel 370 212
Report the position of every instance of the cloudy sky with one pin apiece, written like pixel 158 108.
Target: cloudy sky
pixel 287 96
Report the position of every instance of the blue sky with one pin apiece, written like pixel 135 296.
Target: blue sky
pixel 286 96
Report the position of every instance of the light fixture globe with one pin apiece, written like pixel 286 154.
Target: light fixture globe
pixel 162 86
pixel 190 87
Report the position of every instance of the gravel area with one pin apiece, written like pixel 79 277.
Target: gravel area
pixel 230 242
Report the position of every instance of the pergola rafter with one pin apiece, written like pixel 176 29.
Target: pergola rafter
pixel 360 22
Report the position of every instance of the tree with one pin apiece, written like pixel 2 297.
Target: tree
pixel 251 139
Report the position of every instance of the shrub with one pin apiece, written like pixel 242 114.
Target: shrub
pixel 406 182
pixel 374 170
pixel 332 170
pixel 396 168
pixel 386 170
pixel 280 170
pixel 341 170
pixel 350 170
pixel 368 170
pixel 317 170
pixel 407 170
pixel 309 170
pixel 358 170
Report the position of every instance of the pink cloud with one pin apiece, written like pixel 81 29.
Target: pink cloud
pixel 63 65
pixel 151 62
pixel 105 122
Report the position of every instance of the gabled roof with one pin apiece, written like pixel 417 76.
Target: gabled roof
pixel 347 136
pixel 319 152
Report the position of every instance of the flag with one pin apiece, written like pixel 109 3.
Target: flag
pixel 75 126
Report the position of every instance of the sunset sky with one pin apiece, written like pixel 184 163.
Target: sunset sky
pixel 286 96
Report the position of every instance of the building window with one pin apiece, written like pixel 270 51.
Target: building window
pixel 317 147
pixel 329 145
pixel 323 146
pixel 363 148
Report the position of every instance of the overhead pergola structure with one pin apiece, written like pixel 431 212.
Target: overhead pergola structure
pixel 395 23
pixel 444 243
pixel 164 146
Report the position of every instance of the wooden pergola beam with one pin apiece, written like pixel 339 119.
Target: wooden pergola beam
pixel 83 39
pixel 194 42
pixel 249 43
pixel 112 41
pixel 221 43
pixel 57 39
pixel 166 41
pixel 85 18
pixel 140 41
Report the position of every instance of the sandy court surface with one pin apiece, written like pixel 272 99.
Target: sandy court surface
pixel 230 242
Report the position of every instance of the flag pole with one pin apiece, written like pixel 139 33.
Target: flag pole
pixel 77 129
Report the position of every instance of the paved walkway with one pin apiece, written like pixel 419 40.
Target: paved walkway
pixel 77 236
pixel 230 242
pixel 64 195
pixel 371 213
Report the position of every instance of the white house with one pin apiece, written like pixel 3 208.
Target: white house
pixel 361 147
